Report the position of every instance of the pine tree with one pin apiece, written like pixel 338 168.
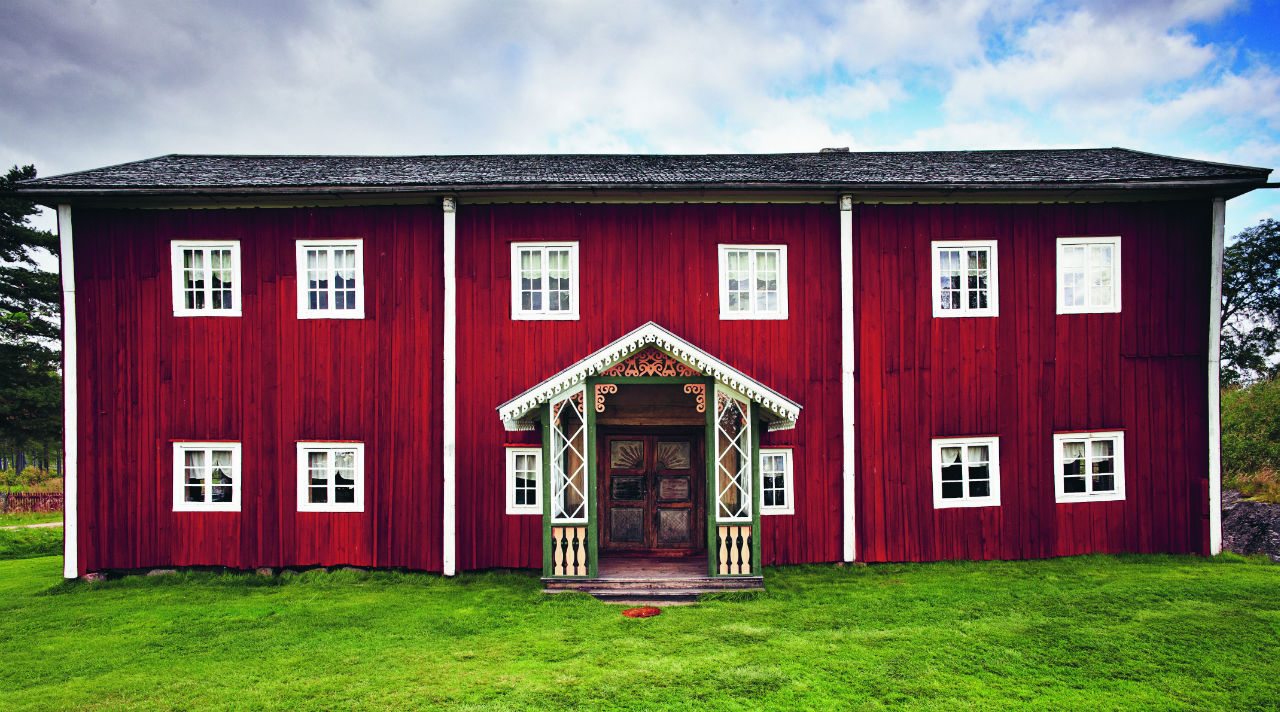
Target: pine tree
pixel 30 318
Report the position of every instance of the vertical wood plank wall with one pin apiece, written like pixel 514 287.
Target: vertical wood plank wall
pixel 640 263
pixel 1028 373
pixel 266 379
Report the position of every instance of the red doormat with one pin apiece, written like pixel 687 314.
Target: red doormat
pixel 643 612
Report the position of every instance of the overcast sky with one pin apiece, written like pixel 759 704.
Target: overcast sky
pixel 90 83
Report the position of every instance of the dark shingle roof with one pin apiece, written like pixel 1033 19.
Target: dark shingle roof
pixel 976 169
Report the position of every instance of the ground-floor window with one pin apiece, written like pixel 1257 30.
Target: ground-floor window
pixel 1090 466
pixel 524 480
pixel 966 472
pixel 777 482
pixel 330 477
pixel 206 477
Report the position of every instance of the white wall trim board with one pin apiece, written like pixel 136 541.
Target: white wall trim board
pixel 70 404
pixel 1215 361
pixel 847 366
pixel 450 395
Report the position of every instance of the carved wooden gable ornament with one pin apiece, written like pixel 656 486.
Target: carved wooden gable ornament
pixel 650 350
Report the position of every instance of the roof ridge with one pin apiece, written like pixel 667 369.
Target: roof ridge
pixel 1184 159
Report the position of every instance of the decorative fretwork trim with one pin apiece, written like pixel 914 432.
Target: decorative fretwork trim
pixel 781 411
pixel 699 390
pixel 601 390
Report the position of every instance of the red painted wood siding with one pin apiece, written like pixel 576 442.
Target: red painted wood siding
pixel 1029 373
pixel 642 263
pixel 266 379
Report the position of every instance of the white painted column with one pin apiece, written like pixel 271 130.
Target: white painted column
pixel 449 401
pixel 70 404
pixel 1215 362
pixel 847 355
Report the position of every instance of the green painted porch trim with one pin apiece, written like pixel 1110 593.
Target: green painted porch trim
pixel 547 557
pixel 757 484
pixel 713 501
pixel 593 457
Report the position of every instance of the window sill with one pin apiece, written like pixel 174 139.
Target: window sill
pixel 751 316
pixel 539 316
pixel 1076 498
pixel 964 504
pixel 227 312
pixel 355 314
pixel 197 507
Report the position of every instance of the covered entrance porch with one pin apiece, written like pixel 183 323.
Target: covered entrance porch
pixel 651 467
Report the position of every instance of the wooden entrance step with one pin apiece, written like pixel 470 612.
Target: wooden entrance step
pixel 652 578
pixel 666 589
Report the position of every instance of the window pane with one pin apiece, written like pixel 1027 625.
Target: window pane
pixel 1073 484
pixel 949 279
pixel 952 490
pixel 1072 459
pixel 979 454
pixel 1104 483
pixel 980 488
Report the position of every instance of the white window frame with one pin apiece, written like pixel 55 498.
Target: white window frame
pixel 310 446
pixel 180 448
pixel 993 465
pixel 723 280
pixel 304 308
pixel 1088 307
pixel 1060 439
pixel 512 454
pixel 176 268
pixel 788 481
pixel 993 278
pixel 518 313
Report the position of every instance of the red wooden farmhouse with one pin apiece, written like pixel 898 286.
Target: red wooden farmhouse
pixel 459 362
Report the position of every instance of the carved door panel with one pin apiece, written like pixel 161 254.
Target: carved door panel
pixel 652 494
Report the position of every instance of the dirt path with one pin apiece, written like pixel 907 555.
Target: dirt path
pixel 34 526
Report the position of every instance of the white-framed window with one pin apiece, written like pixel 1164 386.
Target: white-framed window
pixel 966 472
pixel 1089 467
pixel 753 281
pixel 206 476
pixel 330 279
pixel 544 280
pixel 777 482
pixel 1088 275
pixel 965 278
pixel 206 277
pixel 524 480
pixel 330 477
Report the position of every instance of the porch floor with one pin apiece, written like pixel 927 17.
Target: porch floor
pixel 635 579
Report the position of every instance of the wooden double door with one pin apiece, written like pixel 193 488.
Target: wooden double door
pixel 652 492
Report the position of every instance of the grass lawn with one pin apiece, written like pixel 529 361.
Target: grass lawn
pixel 30 542
pixel 1096 633
pixel 9 519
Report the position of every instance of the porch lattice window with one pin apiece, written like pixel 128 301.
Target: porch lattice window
pixel 569 459
pixel 733 459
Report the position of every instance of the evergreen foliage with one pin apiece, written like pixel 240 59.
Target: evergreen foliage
pixel 30 318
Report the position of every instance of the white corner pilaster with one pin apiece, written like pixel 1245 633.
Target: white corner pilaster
pixel 1215 361
pixel 847 357
pixel 70 403
pixel 449 399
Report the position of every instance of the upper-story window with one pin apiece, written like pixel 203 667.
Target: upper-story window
pixel 1088 274
pixel 206 277
pixel 330 279
pixel 544 280
pixel 966 472
pixel 753 281
pixel 965 280
pixel 330 477
pixel 1090 466
pixel 206 477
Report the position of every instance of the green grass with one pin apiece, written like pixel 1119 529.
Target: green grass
pixel 8 519
pixel 1096 633
pixel 29 543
